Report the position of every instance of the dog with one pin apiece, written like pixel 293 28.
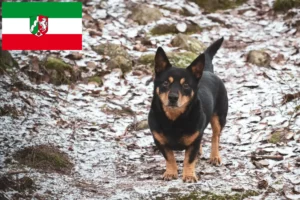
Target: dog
pixel 184 102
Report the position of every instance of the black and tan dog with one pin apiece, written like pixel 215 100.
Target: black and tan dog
pixel 184 102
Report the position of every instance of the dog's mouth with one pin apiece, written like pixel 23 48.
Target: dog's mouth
pixel 173 105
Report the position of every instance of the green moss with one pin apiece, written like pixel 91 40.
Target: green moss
pixel 178 59
pixel 7 63
pixel 213 5
pixel 45 158
pixel 59 71
pixel 96 79
pixel 57 64
pixel 121 62
pixel 162 29
pixel 276 137
pixel 297 108
pixel 284 5
pixel 111 50
pixel 188 43
pixel 211 196
pixel 143 14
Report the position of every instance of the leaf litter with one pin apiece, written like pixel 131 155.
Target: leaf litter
pixel 101 127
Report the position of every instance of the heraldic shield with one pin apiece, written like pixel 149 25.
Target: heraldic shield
pixel 39 25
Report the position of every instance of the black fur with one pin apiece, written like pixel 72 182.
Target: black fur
pixel 210 97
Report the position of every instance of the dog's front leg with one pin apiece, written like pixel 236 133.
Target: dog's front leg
pixel 189 163
pixel 171 166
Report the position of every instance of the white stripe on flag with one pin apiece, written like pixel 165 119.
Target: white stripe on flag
pixel 56 26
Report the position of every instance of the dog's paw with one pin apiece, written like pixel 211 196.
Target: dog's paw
pixel 215 160
pixel 189 178
pixel 168 176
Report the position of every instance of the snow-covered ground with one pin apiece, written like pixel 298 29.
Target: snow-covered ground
pixel 112 162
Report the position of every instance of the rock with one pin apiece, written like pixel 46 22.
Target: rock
pixel 161 29
pixel 262 184
pixel 297 189
pixel 238 189
pixel 141 125
pixel 120 62
pixel 59 72
pixel 110 50
pixel 181 27
pixel 213 5
pixel 178 59
pixel 119 57
pixel 143 14
pixel 285 5
pixel 259 58
pixel 7 63
pixel 188 43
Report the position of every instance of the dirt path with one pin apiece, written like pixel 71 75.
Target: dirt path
pixel 88 124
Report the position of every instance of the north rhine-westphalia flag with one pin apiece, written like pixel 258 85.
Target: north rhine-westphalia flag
pixel 41 26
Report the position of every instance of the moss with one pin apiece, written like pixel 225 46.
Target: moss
pixel 44 158
pixel 188 43
pixel 59 71
pixel 178 59
pixel 213 5
pixel 162 29
pixel 21 185
pixel 276 137
pixel 111 50
pixel 284 5
pixel 7 63
pixel 120 62
pixel 297 108
pixel 143 14
pixel 96 79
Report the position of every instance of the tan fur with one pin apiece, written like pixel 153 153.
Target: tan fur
pixel 171 79
pixel 215 157
pixel 189 174
pixel 171 166
pixel 160 138
pixel 182 81
pixel 201 150
pixel 197 71
pixel 163 97
pixel 188 140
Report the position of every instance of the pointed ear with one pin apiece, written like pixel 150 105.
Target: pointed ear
pixel 214 47
pixel 161 61
pixel 197 66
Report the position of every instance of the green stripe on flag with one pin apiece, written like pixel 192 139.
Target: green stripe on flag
pixel 49 9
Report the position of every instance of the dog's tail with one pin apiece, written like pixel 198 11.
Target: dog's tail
pixel 210 52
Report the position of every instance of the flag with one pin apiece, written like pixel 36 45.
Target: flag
pixel 41 25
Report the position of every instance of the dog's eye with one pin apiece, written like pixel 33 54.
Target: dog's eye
pixel 185 86
pixel 166 83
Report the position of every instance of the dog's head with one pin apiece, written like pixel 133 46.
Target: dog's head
pixel 176 87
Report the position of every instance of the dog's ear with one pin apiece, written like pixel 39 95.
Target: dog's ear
pixel 161 61
pixel 197 66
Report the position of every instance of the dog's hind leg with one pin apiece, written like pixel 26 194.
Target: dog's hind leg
pixel 215 157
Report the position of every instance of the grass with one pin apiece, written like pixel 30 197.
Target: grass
pixel 44 158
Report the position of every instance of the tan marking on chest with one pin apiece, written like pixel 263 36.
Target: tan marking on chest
pixel 160 138
pixel 188 140
pixel 182 81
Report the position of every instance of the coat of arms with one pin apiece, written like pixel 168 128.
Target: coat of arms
pixel 39 25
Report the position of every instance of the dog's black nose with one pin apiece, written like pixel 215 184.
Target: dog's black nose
pixel 173 97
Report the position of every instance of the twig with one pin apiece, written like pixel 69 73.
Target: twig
pixel 260 157
pixel 17 172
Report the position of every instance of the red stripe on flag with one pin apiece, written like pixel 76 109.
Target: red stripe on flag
pixel 45 42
